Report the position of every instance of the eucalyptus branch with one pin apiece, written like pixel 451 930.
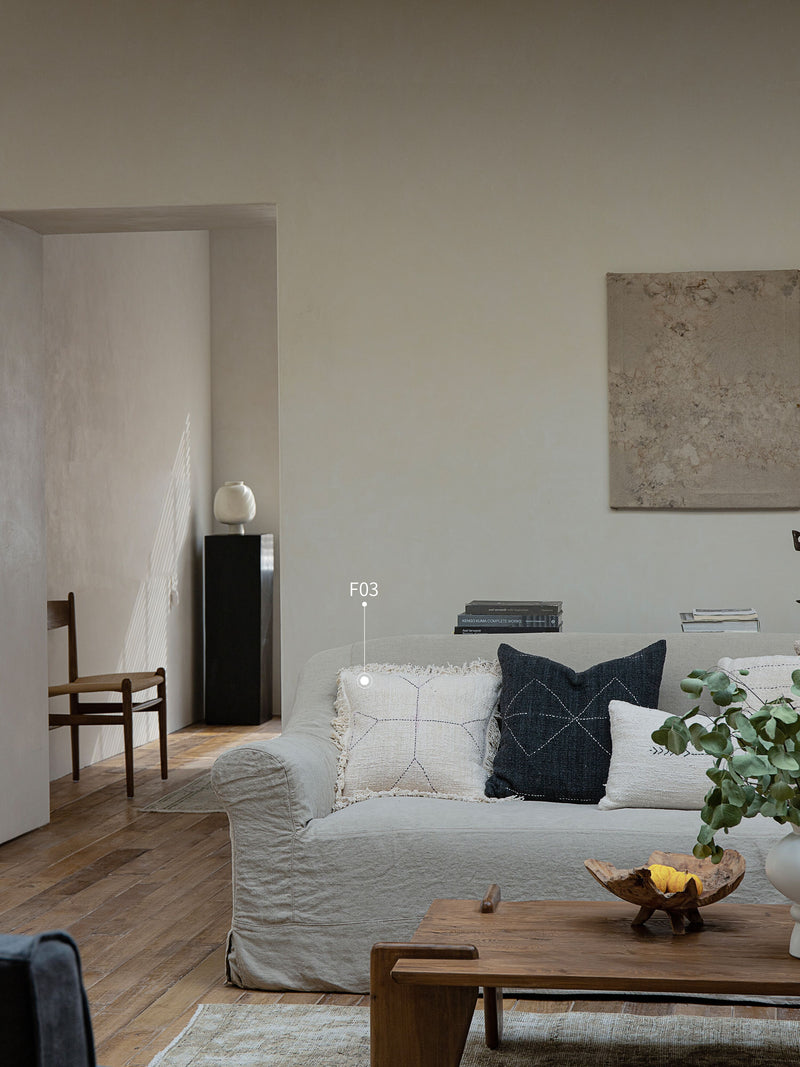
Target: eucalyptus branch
pixel 756 754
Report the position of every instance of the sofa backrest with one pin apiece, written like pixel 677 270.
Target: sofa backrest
pixel 316 691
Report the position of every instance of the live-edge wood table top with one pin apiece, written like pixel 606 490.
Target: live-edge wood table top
pixel 553 944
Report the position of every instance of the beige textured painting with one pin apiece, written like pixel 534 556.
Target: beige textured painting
pixel 704 389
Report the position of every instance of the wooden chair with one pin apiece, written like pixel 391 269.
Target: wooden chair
pixel 62 613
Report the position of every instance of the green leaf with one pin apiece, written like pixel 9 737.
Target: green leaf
pixel 714 742
pixel 749 765
pixel 742 725
pixel 725 815
pixel 784 713
pixel 783 760
pixel 733 792
pixel 717 680
pixel 781 791
pixel 695 730
pixel 723 697
pixel 693 686
pixel 714 797
pixel 706 834
pixel 702 851
pixel 676 741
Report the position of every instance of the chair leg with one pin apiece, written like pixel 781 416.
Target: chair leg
pixel 127 731
pixel 162 721
pixel 74 741
pixel 76 753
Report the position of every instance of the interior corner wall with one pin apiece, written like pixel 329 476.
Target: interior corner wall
pixel 244 384
pixel 24 793
pixel 128 469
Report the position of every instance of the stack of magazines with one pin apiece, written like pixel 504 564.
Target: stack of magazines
pixel 708 620
pixel 510 617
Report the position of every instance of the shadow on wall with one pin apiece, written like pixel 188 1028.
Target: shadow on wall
pixel 145 645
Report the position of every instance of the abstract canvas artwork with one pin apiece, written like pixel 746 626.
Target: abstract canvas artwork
pixel 704 389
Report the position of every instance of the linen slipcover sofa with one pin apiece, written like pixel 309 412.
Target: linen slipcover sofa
pixel 315 887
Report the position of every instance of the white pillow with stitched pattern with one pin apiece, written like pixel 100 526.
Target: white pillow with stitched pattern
pixel 768 677
pixel 643 774
pixel 416 731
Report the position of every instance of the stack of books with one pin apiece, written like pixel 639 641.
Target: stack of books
pixel 708 620
pixel 510 617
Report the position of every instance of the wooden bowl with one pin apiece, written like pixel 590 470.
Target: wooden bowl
pixel 636 886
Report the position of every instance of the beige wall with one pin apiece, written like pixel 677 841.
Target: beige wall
pixel 128 462
pixel 24 799
pixel 244 382
pixel 453 180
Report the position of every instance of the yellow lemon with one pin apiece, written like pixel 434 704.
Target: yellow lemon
pixel 669 880
pixel 697 881
pixel 677 881
pixel 659 874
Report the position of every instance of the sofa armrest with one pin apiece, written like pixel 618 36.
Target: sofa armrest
pixel 283 783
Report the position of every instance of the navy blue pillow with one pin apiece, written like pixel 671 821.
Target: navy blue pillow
pixel 555 737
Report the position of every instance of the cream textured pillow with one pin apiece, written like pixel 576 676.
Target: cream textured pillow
pixel 642 774
pixel 416 731
pixel 769 677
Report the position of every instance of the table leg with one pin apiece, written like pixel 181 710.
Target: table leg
pixel 492 998
pixel 493 1016
pixel 418 1025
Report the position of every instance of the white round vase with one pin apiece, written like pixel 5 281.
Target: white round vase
pixel 234 505
pixel 783 870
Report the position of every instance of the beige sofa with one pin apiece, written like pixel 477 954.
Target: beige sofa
pixel 314 887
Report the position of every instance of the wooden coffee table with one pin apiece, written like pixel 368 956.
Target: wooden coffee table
pixel 423 993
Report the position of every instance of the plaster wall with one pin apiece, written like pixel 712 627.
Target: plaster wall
pixel 128 462
pixel 24 795
pixel 244 382
pixel 453 181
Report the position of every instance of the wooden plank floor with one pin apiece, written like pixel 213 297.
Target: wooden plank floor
pixel 147 897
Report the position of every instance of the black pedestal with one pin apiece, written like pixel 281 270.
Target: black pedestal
pixel 238 574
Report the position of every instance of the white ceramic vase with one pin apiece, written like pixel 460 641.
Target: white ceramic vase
pixel 783 870
pixel 234 505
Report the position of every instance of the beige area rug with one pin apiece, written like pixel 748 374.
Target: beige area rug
pixel 195 796
pixel 266 1035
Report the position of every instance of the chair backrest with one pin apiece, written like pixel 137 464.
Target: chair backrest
pixel 57 614
pixel 62 613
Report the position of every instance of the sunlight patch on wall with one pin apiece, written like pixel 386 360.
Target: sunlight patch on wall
pixel 145 646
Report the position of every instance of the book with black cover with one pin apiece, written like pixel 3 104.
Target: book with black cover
pixel 506 630
pixel 531 622
pixel 513 607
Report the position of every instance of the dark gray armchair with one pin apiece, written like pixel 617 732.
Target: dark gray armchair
pixel 44 1012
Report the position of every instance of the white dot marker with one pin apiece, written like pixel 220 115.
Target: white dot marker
pixel 363 603
pixel 364 680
